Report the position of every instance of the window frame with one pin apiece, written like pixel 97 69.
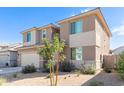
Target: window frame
pixel 42 33
pixel 28 37
pixel 76 53
pixel 74 27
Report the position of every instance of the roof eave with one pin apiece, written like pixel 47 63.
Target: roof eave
pixel 77 16
pixel 38 28
pixel 94 11
pixel 28 30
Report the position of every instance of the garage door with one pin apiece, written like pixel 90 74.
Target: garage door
pixel 3 59
pixel 30 58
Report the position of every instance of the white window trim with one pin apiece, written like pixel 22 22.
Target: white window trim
pixel 42 33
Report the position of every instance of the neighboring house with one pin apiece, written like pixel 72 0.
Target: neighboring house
pixel 33 38
pixel 86 36
pixel 8 55
pixel 118 50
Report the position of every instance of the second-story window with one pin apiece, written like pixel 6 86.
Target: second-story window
pixel 76 27
pixel 28 36
pixel 43 33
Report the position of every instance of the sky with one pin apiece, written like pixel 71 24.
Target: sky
pixel 15 20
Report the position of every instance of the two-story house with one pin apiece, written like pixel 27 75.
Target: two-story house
pixel 32 39
pixel 87 36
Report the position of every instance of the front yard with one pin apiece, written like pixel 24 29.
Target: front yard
pixel 65 79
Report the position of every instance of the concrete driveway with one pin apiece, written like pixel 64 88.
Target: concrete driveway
pixel 10 70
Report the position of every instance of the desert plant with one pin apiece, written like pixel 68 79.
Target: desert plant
pixel 46 68
pixel 29 69
pixel 121 75
pixel 2 80
pixel 88 69
pixel 120 63
pixel 15 75
pixel 96 83
pixel 67 67
pixel 53 52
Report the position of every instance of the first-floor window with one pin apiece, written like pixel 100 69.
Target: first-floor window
pixel 76 53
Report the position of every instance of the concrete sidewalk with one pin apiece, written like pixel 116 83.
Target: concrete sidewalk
pixel 10 70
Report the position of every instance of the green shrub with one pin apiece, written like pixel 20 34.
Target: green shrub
pixel 29 69
pixel 2 80
pixel 15 75
pixel 120 63
pixel 96 83
pixel 46 68
pixel 66 67
pixel 121 75
pixel 88 70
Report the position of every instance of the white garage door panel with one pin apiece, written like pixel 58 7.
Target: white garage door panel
pixel 30 58
pixel 3 60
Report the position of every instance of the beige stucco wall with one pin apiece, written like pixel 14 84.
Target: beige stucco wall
pixel 24 37
pixel 64 31
pixel 89 52
pixel 33 38
pixel 36 36
pixel 82 39
pixel 89 23
pixel 67 53
pixel 40 36
pixel 102 39
pixel 88 57
pixel 28 56
pixel 49 34
pixel 93 39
